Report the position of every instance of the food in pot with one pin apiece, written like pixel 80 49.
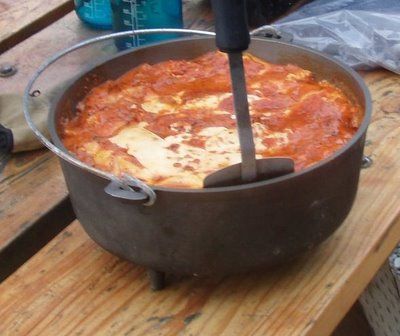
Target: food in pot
pixel 173 123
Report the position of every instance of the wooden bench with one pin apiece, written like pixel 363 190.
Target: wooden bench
pixel 72 285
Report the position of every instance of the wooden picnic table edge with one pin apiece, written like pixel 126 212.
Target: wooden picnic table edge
pixel 34 237
pixel 35 26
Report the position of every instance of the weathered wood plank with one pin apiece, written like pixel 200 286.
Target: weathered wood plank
pixel 21 19
pixel 28 55
pixel 22 203
pixel 31 183
pixel 73 286
pixel 32 193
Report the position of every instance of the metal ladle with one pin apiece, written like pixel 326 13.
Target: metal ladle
pixel 232 37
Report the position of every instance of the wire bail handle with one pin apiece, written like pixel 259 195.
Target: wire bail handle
pixel 128 184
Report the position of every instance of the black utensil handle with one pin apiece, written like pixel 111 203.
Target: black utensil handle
pixel 6 140
pixel 231 25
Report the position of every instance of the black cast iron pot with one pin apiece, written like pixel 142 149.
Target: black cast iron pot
pixel 220 230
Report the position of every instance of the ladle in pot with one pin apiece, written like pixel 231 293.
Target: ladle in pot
pixel 232 37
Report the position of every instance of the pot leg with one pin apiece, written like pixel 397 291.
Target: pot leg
pixel 157 279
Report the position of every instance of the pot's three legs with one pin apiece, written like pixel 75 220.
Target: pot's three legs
pixel 157 279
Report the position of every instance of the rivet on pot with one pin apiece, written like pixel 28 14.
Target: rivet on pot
pixel 35 93
pixel 7 70
pixel 366 162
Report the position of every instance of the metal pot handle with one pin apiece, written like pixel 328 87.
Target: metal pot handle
pixel 128 187
pixel 131 188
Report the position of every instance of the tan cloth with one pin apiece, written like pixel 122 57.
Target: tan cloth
pixel 12 117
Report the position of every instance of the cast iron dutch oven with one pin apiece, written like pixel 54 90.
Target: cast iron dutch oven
pixel 227 229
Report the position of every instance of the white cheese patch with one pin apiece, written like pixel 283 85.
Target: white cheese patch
pixel 148 148
pixel 186 164
pixel 222 140
pixel 251 98
pixel 152 104
pixel 159 159
pixel 281 138
pixel 300 75
pixel 210 102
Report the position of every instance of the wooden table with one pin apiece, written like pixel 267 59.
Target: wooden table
pixel 73 286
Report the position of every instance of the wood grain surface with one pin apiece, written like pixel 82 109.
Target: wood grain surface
pixel 31 183
pixel 24 204
pixel 21 19
pixel 28 55
pixel 32 193
pixel 72 286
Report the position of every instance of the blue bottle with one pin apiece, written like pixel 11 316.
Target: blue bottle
pixel 94 13
pixel 145 14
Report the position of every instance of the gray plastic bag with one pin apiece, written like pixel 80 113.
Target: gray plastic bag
pixel 364 34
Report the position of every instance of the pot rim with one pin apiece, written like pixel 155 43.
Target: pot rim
pixel 59 149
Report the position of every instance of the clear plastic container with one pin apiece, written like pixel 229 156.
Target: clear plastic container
pixel 94 13
pixel 145 14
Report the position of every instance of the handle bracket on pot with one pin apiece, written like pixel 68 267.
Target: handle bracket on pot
pixel 131 188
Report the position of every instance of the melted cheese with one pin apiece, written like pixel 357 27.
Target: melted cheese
pixel 162 159
pixel 153 105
